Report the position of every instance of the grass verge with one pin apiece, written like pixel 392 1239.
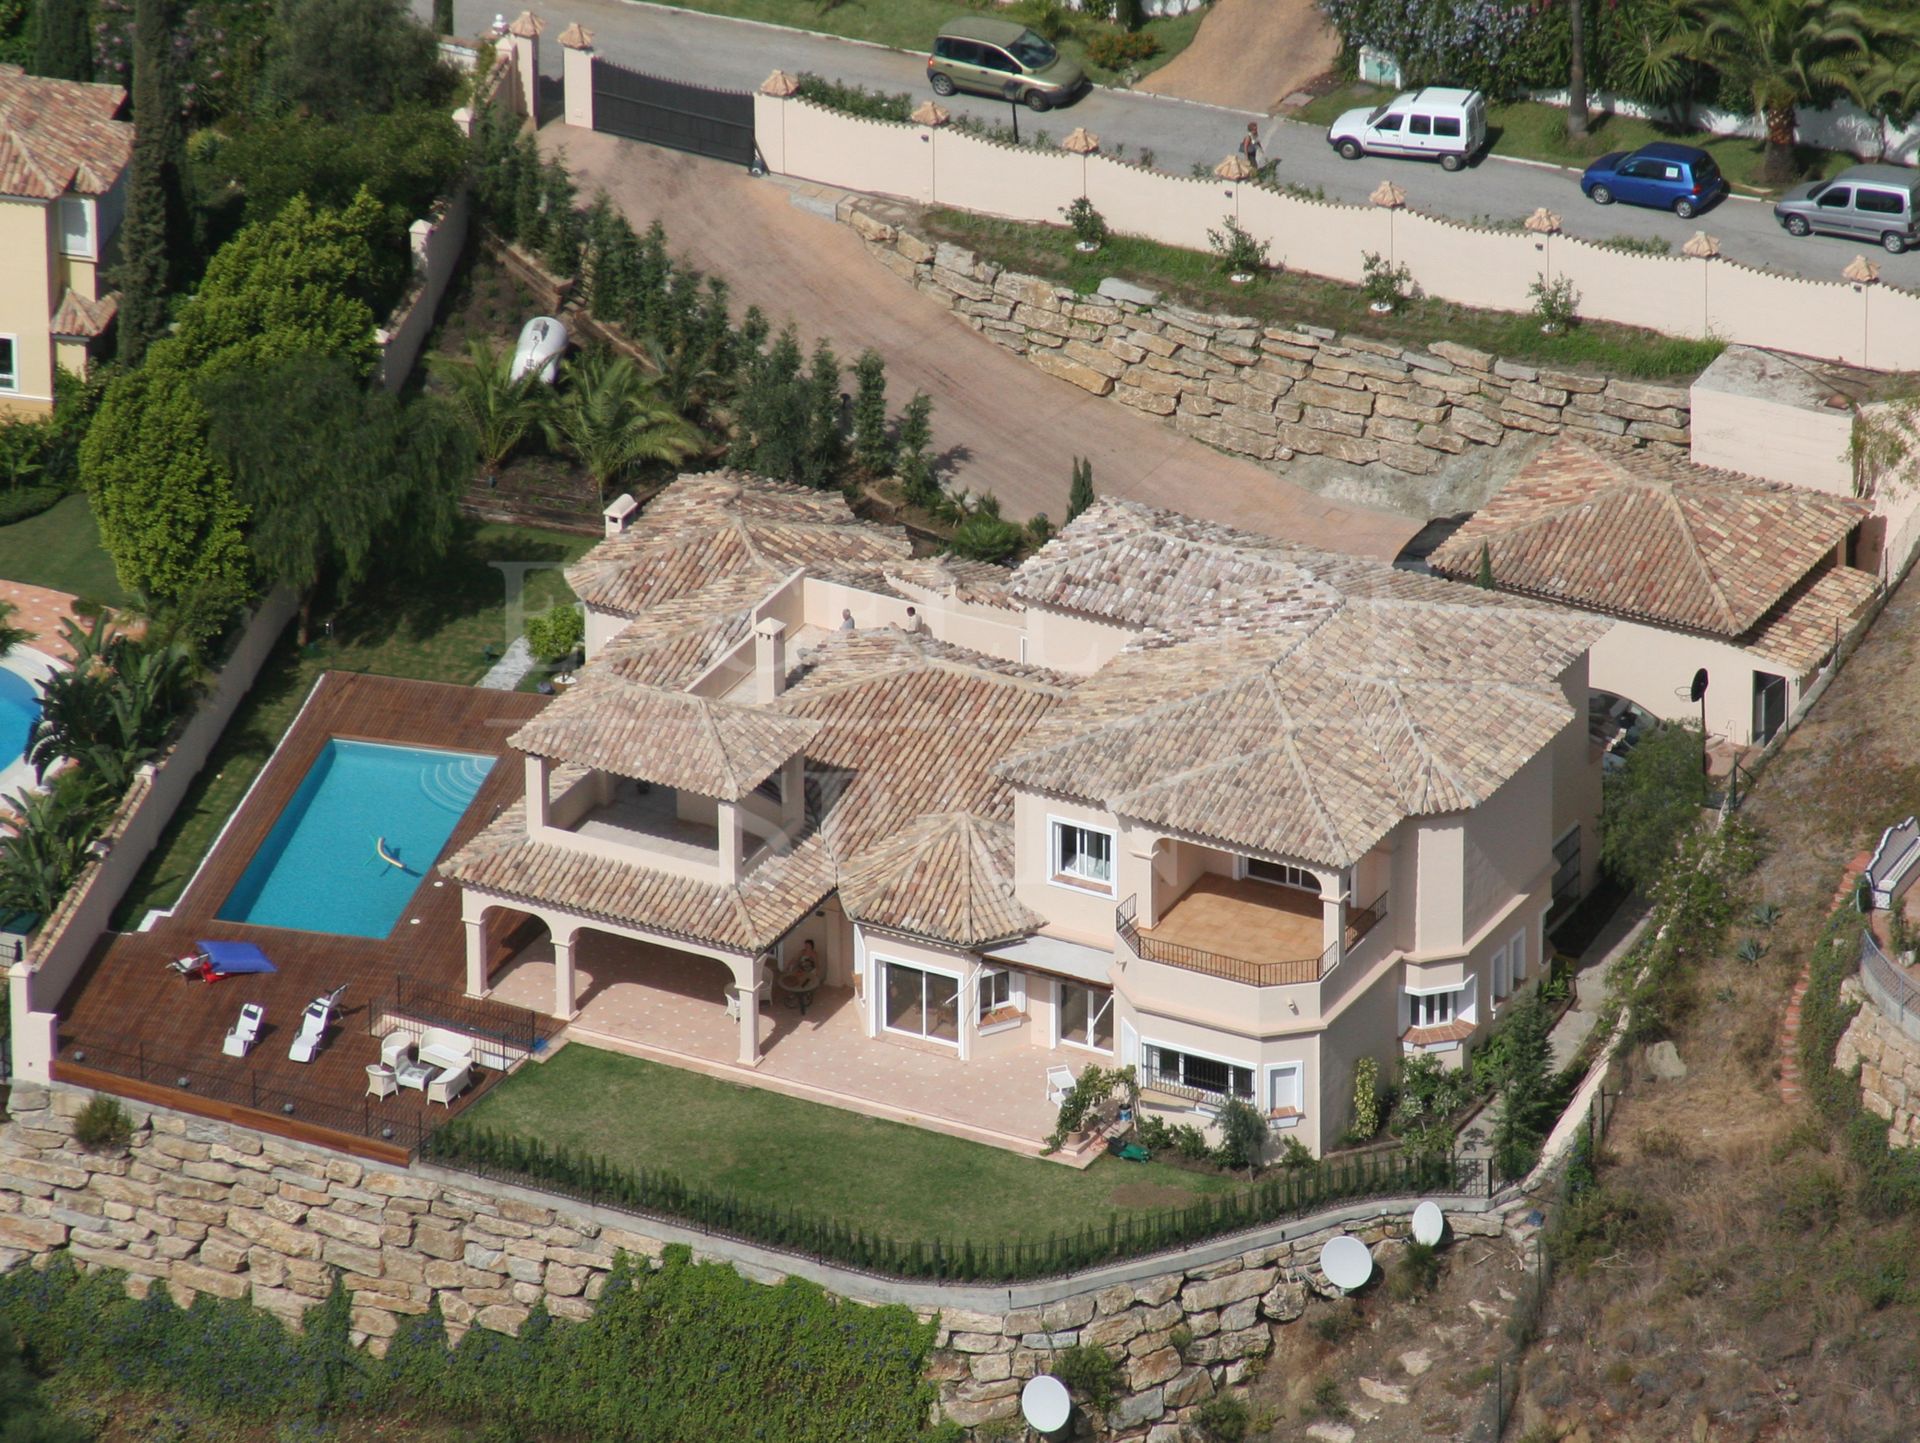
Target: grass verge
pixel 1530 130
pixel 761 1147
pixel 433 628
pixel 60 549
pixel 1286 298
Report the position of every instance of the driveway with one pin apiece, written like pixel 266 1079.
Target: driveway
pixel 709 50
pixel 1250 54
pixel 1002 426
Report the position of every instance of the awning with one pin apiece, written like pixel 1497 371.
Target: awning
pixel 1062 958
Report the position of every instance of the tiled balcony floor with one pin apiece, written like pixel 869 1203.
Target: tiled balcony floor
pixel 1249 920
pixel 670 1007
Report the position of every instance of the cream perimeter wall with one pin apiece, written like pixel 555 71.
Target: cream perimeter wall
pixel 1866 325
pixel 1655 668
pixel 28 274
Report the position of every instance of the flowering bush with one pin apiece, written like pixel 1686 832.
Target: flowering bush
pixel 1451 42
pixel 216 46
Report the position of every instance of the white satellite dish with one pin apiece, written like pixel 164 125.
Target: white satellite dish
pixel 1429 1223
pixel 1044 1404
pixel 1347 1262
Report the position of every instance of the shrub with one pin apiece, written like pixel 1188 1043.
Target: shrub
pixel 1415 1272
pixel 24 501
pixel 984 535
pixel 1117 49
pixel 103 1125
pixel 1239 253
pixel 1049 19
pixel 1089 1371
pixel 1327 1398
pixel 856 99
pixel 1191 1142
pixel 1651 802
pixel 1384 283
pixel 1366 1098
pixel 1243 1135
pixel 1294 1155
pixel 555 634
pixel 1087 224
pixel 1334 1325
pixel 1180 1339
pixel 1555 302
pixel 1223 1417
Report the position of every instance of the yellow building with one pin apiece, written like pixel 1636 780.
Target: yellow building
pixel 63 160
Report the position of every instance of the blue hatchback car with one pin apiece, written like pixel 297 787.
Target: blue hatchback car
pixel 1665 176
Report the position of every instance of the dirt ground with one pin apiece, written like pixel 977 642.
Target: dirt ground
pixel 1736 1290
pixel 1250 55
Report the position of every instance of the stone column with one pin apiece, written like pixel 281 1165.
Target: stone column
pixel 576 75
pixel 477 956
pixel 749 1023
pixel 732 841
pixel 524 35
pixel 563 979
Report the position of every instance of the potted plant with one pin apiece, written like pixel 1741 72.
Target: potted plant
pixel 1554 304
pixel 1384 285
pixel 1241 256
pixel 1088 225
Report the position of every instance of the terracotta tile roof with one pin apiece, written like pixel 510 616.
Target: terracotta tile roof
pixel 948 876
pixel 690 743
pixel 1811 618
pixel 705 528
pixel 77 316
pixel 58 136
pixel 1638 534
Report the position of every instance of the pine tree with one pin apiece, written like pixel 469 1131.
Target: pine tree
pixel 1485 579
pixel 915 465
pixel 1080 497
pixel 154 210
pixel 62 44
pixel 872 443
pixel 825 458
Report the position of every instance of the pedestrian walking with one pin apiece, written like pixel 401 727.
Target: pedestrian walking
pixel 1250 144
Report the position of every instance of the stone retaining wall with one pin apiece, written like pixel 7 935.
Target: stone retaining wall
pixel 205 1206
pixel 1889 1066
pixel 1268 392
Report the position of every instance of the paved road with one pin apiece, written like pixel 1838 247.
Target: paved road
pixel 711 51
pixel 1002 426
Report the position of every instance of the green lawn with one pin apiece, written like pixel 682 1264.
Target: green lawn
pixel 1531 131
pixel 435 628
pixel 60 549
pixel 1289 299
pixel 883 1176
pixel 912 24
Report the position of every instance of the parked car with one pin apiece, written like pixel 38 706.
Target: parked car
pixel 1864 202
pixel 1449 126
pixel 998 57
pixel 1679 178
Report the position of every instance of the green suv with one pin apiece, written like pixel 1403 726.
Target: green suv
pixel 997 57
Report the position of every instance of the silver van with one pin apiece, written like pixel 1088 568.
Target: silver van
pixel 1879 203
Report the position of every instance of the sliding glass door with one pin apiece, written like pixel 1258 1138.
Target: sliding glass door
pixel 922 1004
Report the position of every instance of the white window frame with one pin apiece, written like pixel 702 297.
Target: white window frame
pixel 1300 879
pixel 1498 969
pixel 1016 993
pixel 10 384
pixel 68 205
pixel 1129 1045
pixel 1465 1008
pixel 1298 1072
pixel 1060 1038
pixel 1516 957
pixel 1059 877
pixel 880 966
pixel 1150 1076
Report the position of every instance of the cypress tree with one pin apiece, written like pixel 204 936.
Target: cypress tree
pixel 1485 579
pixel 62 44
pixel 443 17
pixel 153 194
pixel 915 466
pixel 1081 496
pixel 872 444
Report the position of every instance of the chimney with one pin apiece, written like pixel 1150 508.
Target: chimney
pixel 769 659
pixel 619 515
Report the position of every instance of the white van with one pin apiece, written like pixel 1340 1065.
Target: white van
pixel 1449 126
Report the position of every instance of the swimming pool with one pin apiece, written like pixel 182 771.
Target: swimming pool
pixel 22 670
pixel 322 868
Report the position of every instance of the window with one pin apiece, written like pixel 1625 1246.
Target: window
pixel 1635 169
pixel 1420 125
pixel 1082 856
pixel 76 227
pixel 999 998
pixel 1282 874
pixel 1086 1016
pixel 9 364
pixel 1836 197
pixel 1286 1094
pixel 1389 122
pixel 994 58
pixel 1566 870
pixel 1441 1007
pixel 1517 959
pixel 1190 1072
pixel 1879 202
pixel 922 1004
pixel 1447 125
pixel 1434 1009
pixel 1670 172
pixel 1500 970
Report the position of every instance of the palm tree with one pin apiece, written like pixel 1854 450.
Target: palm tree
pixel 11 635
pixel 117 701
pixel 500 409
pixel 47 849
pixel 1889 89
pixel 610 417
pixel 1784 54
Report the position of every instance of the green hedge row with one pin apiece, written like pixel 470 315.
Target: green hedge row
pixel 685 1351
pixel 21 502
pixel 1289 1193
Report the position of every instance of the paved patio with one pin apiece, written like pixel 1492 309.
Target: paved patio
pixel 670 1007
pixel 40 610
pixel 1253 921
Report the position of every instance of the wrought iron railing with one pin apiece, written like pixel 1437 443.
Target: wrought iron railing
pixel 1888 984
pixel 1281 972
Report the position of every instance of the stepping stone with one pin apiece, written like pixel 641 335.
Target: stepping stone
pixel 1383 1392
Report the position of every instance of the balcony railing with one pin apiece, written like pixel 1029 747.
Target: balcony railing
pixel 1273 973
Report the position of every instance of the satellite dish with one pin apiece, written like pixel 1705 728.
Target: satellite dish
pixel 1347 1262
pixel 1428 1223
pixel 1044 1404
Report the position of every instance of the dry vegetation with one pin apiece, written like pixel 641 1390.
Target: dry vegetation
pixel 1725 1282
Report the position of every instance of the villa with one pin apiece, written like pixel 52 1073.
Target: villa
pixel 63 156
pixel 1694 567
pixel 1233 811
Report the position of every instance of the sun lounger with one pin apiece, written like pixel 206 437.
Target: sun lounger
pixel 313 1026
pixel 245 1030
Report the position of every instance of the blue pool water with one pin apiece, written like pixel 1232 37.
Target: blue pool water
pixel 19 709
pixel 320 869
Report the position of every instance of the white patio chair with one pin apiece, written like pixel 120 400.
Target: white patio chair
pixel 396 1047
pixel 381 1081
pixel 313 1026
pixel 448 1085
pixel 1059 1084
pixel 245 1030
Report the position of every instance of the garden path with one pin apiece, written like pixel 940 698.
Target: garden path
pixel 1250 55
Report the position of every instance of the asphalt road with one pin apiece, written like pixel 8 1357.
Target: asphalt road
pixel 708 50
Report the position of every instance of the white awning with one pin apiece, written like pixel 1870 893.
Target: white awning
pixel 1058 956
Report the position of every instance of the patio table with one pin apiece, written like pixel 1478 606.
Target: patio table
pixel 415 1074
pixel 799 989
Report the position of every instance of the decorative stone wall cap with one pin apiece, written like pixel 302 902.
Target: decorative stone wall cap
pixel 1081 141
pixel 780 85
pixel 1388 195
pixel 1235 167
pixel 577 37
pixel 927 113
pixel 1701 246
pixel 1861 271
pixel 1542 222
pixel 529 26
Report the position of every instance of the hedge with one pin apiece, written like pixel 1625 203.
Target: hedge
pixel 1288 1193
pixel 21 502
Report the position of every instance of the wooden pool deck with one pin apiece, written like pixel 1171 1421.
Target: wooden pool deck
pixel 130 1025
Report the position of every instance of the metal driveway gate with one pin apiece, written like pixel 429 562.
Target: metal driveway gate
pixel 718 123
